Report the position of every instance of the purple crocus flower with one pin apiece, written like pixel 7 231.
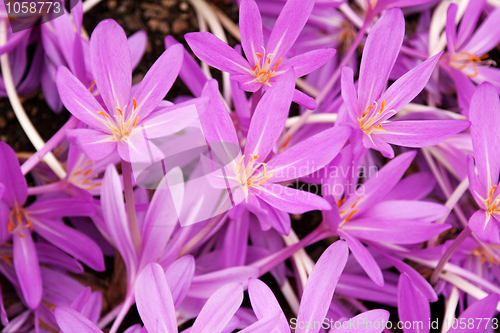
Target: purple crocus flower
pixel 381 211
pixel 120 123
pixel 44 217
pixel 370 107
pixel 254 178
pixel 316 298
pixel 265 62
pixel 484 114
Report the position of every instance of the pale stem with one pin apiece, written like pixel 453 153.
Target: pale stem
pixel 129 300
pixel 130 204
pixel 449 252
pixel 51 144
pixel 105 320
pixel 89 4
pixel 316 118
pixel 351 15
pixel 451 306
pixel 465 286
pixel 208 14
pixel 290 296
pixel 23 119
pixel 203 27
pixel 43 189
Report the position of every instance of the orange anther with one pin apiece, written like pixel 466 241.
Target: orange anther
pixel 86 182
pixel 10 226
pixel 255 156
pixel 19 217
pixel 21 235
pixel 350 215
pixel 382 107
pixel 78 172
pixel 136 121
pixel 87 172
pixel 277 64
pixel 135 103
pixel 340 202
pixel 30 225
pixel 354 204
pixel 258 55
pixel 121 113
pixel 255 67
pixel 103 114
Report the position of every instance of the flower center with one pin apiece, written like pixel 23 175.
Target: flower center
pixel 347 212
pixel 491 203
pixel 484 253
pixel 463 59
pixel 82 175
pixel 265 67
pixel 16 217
pixel 253 175
pixel 120 125
pixel 372 118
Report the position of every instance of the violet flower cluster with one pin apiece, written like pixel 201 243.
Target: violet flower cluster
pixel 342 176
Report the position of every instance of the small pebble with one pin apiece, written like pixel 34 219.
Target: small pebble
pixel 153 24
pixel 111 4
pixel 184 6
pixel 164 28
pixel 179 26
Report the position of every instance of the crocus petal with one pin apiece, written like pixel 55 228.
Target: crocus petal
pixel 137 44
pixel 469 21
pixel 321 284
pixel 379 55
pixel 71 321
pixel 27 267
pixel 71 241
pixel 421 133
pixel 305 63
pixel 116 219
pixel 284 33
pixel 414 187
pixel 161 124
pixel 158 80
pixel 364 258
pixel 252 39
pixel 309 155
pixel 11 177
pixel 190 73
pixel 179 276
pixel 485 227
pixel 291 200
pixel 407 87
pixel 349 94
pixel 304 100
pixel 111 65
pixel 413 307
pixel 405 210
pixel 95 144
pixel 266 127
pixel 218 127
pixel 365 322
pixel 394 231
pixel 486 36
pixel 216 53
pixel 264 303
pixel 204 286
pixel 57 208
pixel 219 309
pixel 484 114
pixel 451 27
pixel 375 188
pixel 154 301
pixel 484 308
